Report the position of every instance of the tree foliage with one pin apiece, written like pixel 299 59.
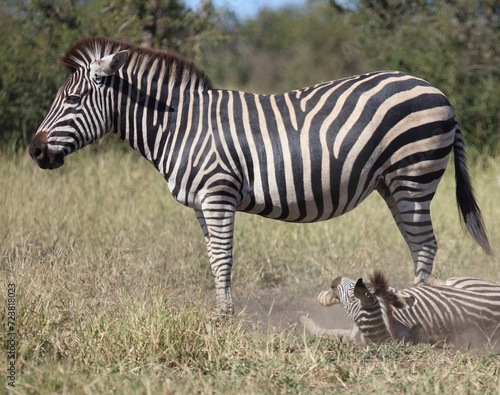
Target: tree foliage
pixel 451 43
pixel 36 33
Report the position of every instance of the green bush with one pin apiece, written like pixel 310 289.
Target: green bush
pixel 452 44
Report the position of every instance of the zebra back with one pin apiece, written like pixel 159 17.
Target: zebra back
pixel 443 312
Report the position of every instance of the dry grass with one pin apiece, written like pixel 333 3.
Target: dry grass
pixel 114 289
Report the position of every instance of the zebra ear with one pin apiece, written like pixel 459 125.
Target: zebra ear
pixel 108 65
pixel 362 293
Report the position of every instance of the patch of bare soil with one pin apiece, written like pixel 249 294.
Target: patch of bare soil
pixel 477 339
pixel 277 310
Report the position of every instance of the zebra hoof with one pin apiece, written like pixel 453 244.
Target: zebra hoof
pixel 327 298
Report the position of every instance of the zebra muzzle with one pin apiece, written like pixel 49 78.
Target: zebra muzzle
pixel 41 154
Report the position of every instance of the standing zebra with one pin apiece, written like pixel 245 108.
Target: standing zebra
pixel 303 156
pixel 429 314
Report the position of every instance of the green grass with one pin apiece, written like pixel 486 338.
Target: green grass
pixel 115 293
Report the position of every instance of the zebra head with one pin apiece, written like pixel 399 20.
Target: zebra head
pixel 368 305
pixel 81 112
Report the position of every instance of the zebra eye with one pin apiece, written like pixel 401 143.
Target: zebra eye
pixel 73 99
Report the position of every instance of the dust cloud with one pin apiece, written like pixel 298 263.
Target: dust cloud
pixel 276 310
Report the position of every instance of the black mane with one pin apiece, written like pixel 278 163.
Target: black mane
pixel 90 49
pixel 379 282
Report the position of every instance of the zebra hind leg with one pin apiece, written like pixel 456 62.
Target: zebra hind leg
pixel 411 212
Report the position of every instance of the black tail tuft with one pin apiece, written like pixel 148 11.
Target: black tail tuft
pixel 469 211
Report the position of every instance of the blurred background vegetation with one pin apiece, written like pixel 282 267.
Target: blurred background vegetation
pixel 454 44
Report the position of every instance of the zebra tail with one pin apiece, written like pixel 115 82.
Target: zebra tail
pixel 469 211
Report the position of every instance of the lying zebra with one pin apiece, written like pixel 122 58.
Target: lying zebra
pixel 431 314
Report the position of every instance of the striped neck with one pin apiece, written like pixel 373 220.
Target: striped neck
pixel 146 93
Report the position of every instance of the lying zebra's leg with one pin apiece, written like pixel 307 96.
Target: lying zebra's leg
pixel 433 281
pixel 468 283
pixel 327 298
pixel 473 284
pixel 313 329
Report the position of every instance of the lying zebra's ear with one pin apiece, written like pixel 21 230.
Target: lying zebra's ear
pixel 336 282
pixel 362 293
pixel 108 65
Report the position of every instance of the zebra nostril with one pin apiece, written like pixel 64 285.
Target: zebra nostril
pixel 37 152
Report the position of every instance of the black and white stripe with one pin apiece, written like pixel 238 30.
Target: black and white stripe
pixel 302 156
pixel 428 314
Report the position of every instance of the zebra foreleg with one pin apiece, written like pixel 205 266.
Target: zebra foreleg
pixel 204 229
pixel 217 225
pixel 328 298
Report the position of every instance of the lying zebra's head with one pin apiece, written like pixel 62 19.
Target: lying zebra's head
pixel 368 305
pixel 81 111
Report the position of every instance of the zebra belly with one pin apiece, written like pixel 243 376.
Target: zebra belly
pixel 296 197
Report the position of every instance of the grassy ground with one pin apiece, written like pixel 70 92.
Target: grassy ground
pixel 114 290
